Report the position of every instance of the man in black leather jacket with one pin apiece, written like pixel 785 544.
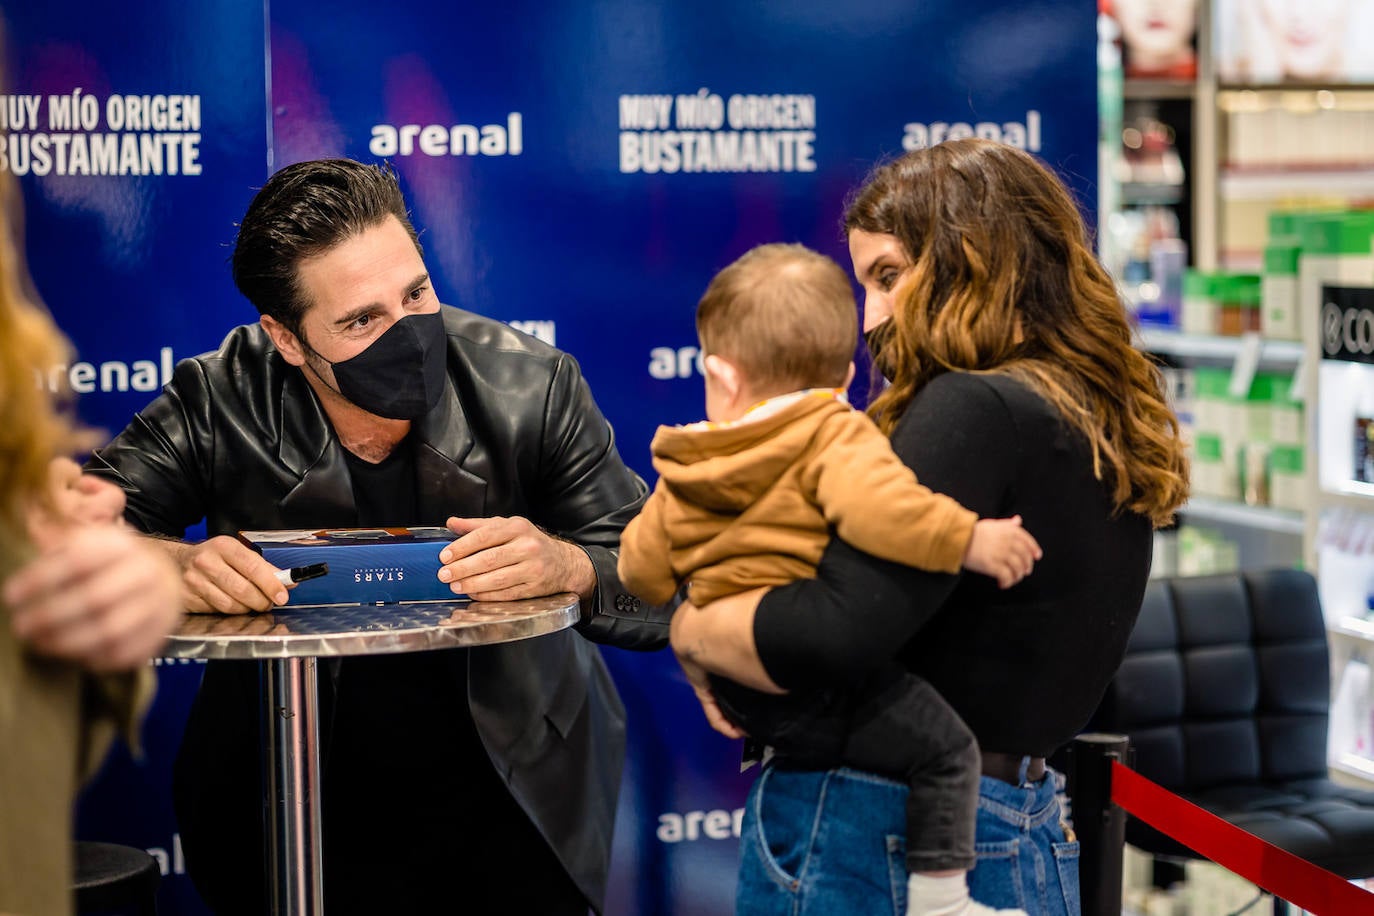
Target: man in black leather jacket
pixel 476 779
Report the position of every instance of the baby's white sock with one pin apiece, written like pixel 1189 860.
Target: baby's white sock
pixel 945 896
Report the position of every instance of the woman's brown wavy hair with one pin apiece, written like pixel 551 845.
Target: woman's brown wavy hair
pixel 1003 279
pixel 33 426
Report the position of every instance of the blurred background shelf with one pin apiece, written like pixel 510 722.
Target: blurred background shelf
pixel 1263 518
pixel 1264 184
pixel 1142 88
pixel 1277 354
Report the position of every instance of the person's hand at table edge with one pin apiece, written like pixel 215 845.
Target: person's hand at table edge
pixel 504 559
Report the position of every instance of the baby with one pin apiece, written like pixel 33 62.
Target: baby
pixel 750 497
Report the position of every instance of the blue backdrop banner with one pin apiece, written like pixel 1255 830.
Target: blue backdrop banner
pixel 578 169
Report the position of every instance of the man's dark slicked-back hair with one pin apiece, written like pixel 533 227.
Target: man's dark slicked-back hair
pixel 303 211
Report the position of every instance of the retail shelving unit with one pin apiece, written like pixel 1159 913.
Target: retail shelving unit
pixel 1264 535
pixel 1340 520
pixel 1238 170
pixel 1252 149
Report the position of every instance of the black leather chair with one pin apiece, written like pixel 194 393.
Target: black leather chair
pixel 1224 694
pixel 114 879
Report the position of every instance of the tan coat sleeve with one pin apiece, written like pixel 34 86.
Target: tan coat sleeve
pixel 874 502
pixel 115 705
pixel 55 725
pixel 644 566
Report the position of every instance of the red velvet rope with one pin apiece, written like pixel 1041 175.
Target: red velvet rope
pixel 1257 861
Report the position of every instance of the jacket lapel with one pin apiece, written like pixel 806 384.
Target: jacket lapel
pixel 445 439
pixel 309 448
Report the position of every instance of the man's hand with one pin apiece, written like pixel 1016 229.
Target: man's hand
pixel 502 559
pixel 100 597
pixel 223 575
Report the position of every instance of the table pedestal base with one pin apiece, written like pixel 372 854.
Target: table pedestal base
pixel 291 740
pixel 287 644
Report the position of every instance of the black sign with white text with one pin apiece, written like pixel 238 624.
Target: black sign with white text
pixel 1347 323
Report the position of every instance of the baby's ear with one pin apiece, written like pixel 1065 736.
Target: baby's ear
pixel 725 374
pixel 849 376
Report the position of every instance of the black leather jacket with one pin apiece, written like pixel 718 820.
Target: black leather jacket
pixel 238 438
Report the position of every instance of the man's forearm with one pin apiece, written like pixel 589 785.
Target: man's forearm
pixel 175 548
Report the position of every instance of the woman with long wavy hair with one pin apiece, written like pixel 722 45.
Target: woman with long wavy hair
pixel 1014 388
pixel 83 606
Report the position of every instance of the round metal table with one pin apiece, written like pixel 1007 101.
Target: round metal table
pixel 288 643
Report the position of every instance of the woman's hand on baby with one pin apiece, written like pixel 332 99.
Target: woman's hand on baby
pixel 696 676
pixel 1001 548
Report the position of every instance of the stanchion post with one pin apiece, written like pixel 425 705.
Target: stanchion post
pixel 1100 824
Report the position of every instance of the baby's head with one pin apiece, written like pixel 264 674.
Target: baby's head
pixel 781 318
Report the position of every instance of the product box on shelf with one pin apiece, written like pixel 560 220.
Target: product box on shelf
pixel 1286 424
pixel 366 565
pixel 1199 303
pixel 1218 429
pixel 1221 302
pixel 1203 551
pixel 1238 441
pixel 1212 474
pixel 1287 477
pixel 1273 414
pixel 1279 289
pixel 1336 251
pixel 1238 304
pixel 1179 388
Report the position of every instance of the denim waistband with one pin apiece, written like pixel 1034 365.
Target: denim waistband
pixel 882 800
pixel 1024 806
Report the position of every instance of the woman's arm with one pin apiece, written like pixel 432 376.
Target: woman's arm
pixel 960 438
pixel 719 639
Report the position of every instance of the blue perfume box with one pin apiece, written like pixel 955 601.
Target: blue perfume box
pixel 366 565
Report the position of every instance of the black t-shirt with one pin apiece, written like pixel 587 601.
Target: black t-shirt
pixel 385 492
pixel 1026 666
pixel 409 789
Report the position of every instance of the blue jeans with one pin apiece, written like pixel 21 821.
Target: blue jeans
pixel 818 842
pixel 1024 858
pixel 895 724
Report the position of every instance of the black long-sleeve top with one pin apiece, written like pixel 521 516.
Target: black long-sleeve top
pixel 1025 666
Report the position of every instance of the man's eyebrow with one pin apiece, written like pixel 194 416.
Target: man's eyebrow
pixel 353 315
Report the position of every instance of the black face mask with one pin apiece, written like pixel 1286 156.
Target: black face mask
pixel 877 339
pixel 402 374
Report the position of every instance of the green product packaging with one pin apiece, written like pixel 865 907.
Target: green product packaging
pixel 1207 447
pixel 1287 459
pixel 1287 478
pixel 1199 302
pixel 1279 288
pixel 1281 256
pixel 1238 302
pixel 1345 232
